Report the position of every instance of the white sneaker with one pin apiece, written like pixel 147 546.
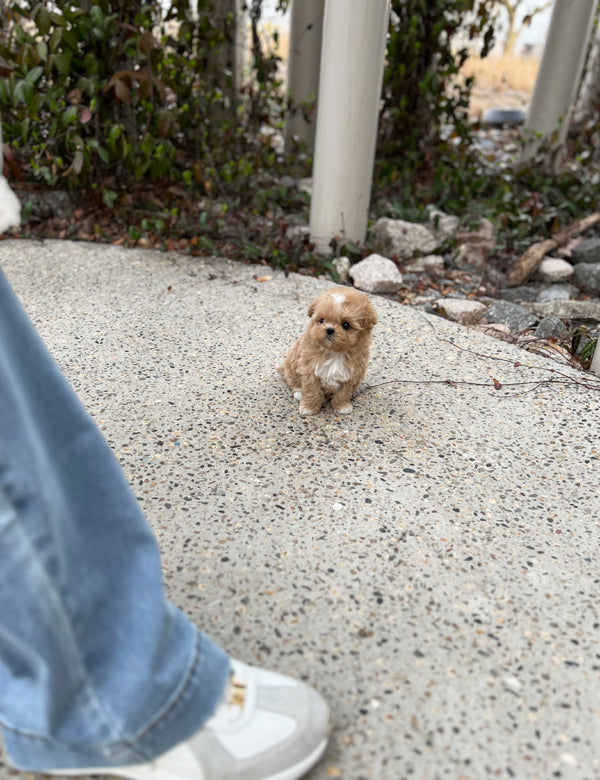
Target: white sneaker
pixel 10 205
pixel 269 727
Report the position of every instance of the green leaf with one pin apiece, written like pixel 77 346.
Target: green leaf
pixel 97 16
pixel 25 126
pixel 62 63
pixel 113 137
pixel 109 197
pixel 78 162
pixel 208 245
pixel 71 39
pixel 55 39
pixel 103 155
pixel 44 20
pixel 42 50
pixel 34 74
pixel 69 116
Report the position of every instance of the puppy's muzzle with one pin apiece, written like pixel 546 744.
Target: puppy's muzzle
pixel 329 333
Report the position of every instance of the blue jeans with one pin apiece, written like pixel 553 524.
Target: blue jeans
pixel 97 668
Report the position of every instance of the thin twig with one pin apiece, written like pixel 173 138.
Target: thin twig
pixel 587 382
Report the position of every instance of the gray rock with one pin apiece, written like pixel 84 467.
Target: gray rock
pixel 551 328
pixel 53 204
pixel 473 246
pixel 427 263
pixel 376 274
pixel 514 294
pixel 442 225
pixel 553 269
pixel 396 237
pixel 587 251
pixel 557 292
pixel 495 277
pixel 516 317
pixel 461 310
pixel 588 274
pixel 470 255
pixel 568 310
pixel 427 297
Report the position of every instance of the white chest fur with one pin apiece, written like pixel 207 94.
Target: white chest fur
pixel 333 371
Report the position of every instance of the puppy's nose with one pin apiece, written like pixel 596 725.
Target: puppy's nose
pixel 329 332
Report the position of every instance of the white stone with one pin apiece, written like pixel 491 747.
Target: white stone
pixel 553 269
pixel 305 185
pixel 443 225
pixel 342 266
pixel 427 263
pixel 462 310
pixel 297 232
pixel 376 274
pixel 396 237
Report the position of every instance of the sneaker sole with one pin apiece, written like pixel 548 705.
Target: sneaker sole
pixel 149 772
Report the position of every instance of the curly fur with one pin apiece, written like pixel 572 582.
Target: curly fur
pixel 329 360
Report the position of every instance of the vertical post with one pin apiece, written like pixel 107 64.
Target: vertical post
pixel 352 59
pixel 241 47
pixel 559 75
pixel 595 367
pixel 304 63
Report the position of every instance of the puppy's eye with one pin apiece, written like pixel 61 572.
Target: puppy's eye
pixel 346 325
pixel 322 320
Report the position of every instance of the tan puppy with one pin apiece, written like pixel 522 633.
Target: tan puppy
pixel 330 359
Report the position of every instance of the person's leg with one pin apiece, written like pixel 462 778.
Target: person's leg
pixel 96 667
pixel 97 670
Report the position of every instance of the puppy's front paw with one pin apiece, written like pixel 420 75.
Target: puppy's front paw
pixel 307 410
pixel 345 409
pixel 298 395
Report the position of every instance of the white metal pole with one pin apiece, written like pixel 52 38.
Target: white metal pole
pixel 595 367
pixel 241 51
pixel 304 63
pixel 559 75
pixel 352 59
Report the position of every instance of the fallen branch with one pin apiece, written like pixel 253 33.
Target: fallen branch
pixel 585 380
pixel 528 385
pixel 529 261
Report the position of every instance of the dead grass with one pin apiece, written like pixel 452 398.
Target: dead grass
pixel 501 82
pixel 503 74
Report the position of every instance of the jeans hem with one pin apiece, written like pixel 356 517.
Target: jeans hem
pixel 182 717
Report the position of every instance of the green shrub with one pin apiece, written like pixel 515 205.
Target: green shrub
pixel 108 91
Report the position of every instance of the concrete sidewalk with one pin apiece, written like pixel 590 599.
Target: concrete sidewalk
pixel 429 563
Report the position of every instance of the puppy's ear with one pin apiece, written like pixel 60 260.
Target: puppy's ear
pixel 313 306
pixel 369 316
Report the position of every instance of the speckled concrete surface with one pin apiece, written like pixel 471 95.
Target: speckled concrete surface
pixel 430 563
